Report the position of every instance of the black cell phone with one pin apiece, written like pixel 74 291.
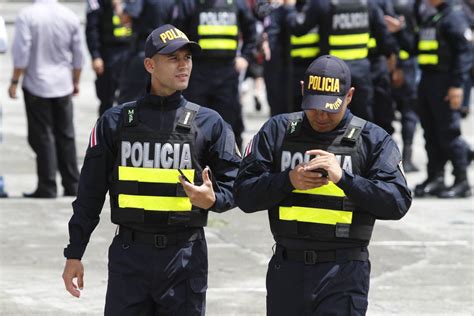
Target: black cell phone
pixel 185 178
pixel 322 171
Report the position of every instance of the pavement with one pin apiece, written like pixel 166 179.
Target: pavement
pixel 421 265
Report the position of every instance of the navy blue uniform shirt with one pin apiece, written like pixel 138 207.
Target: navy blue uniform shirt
pixel 380 190
pixel 215 145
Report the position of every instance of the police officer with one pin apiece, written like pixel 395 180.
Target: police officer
pixel 216 25
pixel 144 16
pixel 344 31
pixel 108 41
pixel 444 57
pixel 403 79
pixel 158 259
pixel 330 175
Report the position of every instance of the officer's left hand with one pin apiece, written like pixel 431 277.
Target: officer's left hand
pixel 327 161
pixel 241 64
pixel 203 195
pixel 454 98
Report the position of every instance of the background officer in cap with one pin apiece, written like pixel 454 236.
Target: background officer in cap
pixel 330 175
pixel 158 259
pixel 444 57
pixel 108 42
pixel 218 25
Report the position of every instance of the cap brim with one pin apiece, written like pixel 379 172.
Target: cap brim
pixel 172 47
pixel 327 103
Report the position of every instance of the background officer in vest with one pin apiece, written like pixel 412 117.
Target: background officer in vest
pixel 108 41
pixel 144 16
pixel 217 25
pixel 444 56
pixel 158 259
pixel 330 175
pixel 344 31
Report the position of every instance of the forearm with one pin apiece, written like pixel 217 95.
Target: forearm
pixel 76 76
pixel 16 75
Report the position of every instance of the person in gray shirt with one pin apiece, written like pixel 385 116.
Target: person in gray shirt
pixel 47 51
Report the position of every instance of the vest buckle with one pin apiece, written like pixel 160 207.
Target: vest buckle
pixel 310 257
pixel 160 241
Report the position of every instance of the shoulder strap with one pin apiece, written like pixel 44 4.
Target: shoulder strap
pixel 189 114
pixel 353 131
pixel 130 115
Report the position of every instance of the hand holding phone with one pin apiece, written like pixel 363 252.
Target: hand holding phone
pixel 322 171
pixel 182 174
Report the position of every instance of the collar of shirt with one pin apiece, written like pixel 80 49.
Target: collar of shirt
pixel 164 103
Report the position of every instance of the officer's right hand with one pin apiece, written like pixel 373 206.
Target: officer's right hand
pixel 98 66
pixel 305 180
pixel 74 270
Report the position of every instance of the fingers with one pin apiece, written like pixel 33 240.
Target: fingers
pixel 70 286
pixel 205 176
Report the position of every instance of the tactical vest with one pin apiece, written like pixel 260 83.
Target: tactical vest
pixel 349 31
pixel 217 28
pixel 145 182
pixel 113 31
pixel 306 47
pixel 324 213
pixel 433 50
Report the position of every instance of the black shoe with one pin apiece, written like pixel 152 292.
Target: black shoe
pixel 408 166
pixel 258 105
pixel 457 190
pixel 39 195
pixel 431 186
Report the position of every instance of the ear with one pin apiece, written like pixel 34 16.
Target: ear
pixel 149 65
pixel 302 87
pixel 349 95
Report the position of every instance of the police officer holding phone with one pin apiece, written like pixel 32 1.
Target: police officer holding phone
pixel 322 224
pixel 158 259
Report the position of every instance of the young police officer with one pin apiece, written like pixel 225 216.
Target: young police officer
pixel 158 260
pixel 330 175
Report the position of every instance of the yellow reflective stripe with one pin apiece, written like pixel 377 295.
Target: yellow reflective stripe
pixel 428 59
pixel 428 45
pixel 350 54
pixel 329 189
pixel 122 31
pixel 404 55
pixel 314 215
pixel 218 44
pixel 351 39
pixel 372 43
pixel 218 30
pixel 306 52
pixel 311 38
pixel 155 203
pixel 154 175
pixel 115 20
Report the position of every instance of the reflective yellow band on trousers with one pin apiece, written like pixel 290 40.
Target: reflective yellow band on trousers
pixel 350 54
pixel 218 43
pixel 428 45
pixel 218 30
pixel 428 59
pixel 311 38
pixel 314 215
pixel 153 175
pixel 329 189
pixel 305 52
pixel 351 39
pixel 155 203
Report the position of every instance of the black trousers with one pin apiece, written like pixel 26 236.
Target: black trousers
pixel 107 84
pixel 148 281
pixel 441 126
pixel 51 136
pixel 216 85
pixel 329 289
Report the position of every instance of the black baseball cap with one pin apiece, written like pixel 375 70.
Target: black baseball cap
pixel 326 82
pixel 167 39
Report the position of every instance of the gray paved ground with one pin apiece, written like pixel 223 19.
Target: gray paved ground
pixel 421 265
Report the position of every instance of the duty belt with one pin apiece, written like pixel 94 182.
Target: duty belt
pixel 161 240
pixel 315 256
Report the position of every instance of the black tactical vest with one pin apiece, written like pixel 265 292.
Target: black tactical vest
pixel 145 182
pixel 324 213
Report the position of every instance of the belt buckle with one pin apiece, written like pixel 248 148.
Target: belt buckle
pixel 160 241
pixel 310 257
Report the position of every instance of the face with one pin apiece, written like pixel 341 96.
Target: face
pixel 169 73
pixel 322 121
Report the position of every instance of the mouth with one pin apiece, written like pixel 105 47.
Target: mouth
pixel 182 76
